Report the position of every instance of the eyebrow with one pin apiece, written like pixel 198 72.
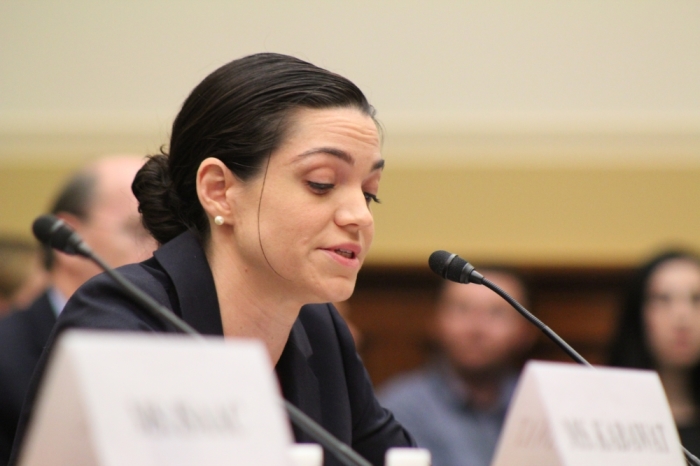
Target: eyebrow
pixel 341 154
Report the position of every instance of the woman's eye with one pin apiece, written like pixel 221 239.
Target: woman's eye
pixel 369 197
pixel 320 188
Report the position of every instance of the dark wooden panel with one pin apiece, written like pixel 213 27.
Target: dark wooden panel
pixel 392 308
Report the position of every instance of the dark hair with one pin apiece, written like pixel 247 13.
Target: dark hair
pixel 75 198
pixel 239 114
pixel 629 344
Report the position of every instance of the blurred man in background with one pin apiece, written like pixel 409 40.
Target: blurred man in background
pixel 456 406
pixel 98 203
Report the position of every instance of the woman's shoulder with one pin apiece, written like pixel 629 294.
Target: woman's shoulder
pixel 102 303
pixel 147 276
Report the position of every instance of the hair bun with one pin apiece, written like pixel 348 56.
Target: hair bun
pixel 159 204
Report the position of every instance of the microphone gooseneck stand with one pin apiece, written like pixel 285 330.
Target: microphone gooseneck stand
pixel 452 267
pixel 53 232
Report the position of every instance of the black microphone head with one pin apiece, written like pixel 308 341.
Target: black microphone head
pixel 453 267
pixel 456 270
pixel 43 227
pixel 439 260
pixel 54 232
pixel 447 265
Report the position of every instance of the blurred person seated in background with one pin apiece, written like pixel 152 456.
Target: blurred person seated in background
pixel 98 203
pixel 22 276
pixel 659 329
pixel 456 406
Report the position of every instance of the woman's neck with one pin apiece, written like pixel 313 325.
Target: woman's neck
pixel 676 383
pixel 249 307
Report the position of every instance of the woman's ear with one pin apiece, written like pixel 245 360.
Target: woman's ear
pixel 214 179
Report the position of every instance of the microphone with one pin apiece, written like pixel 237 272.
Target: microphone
pixel 54 232
pixel 454 268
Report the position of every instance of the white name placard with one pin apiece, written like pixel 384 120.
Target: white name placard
pixel 127 399
pixel 570 415
pixel 306 454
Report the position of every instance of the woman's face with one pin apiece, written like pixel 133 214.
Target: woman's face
pixel 672 314
pixel 305 225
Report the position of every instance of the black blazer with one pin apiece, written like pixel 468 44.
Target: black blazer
pixel 23 335
pixel 319 370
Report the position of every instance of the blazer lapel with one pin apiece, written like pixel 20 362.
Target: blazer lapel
pixel 298 382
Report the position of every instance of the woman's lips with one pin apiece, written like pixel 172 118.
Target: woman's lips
pixel 346 255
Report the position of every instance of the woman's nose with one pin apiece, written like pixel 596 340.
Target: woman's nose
pixel 354 211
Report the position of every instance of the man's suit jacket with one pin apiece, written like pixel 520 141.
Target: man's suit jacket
pixel 23 336
pixel 319 370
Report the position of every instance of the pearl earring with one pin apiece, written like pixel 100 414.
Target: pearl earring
pixel 219 220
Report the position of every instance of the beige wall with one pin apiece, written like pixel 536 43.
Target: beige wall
pixel 577 122
pixel 536 216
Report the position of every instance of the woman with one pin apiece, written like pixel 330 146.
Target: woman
pixel 659 329
pixel 262 206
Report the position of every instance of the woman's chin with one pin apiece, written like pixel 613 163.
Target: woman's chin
pixel 337 291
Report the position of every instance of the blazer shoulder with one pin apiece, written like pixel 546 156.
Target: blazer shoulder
pixel 101 303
